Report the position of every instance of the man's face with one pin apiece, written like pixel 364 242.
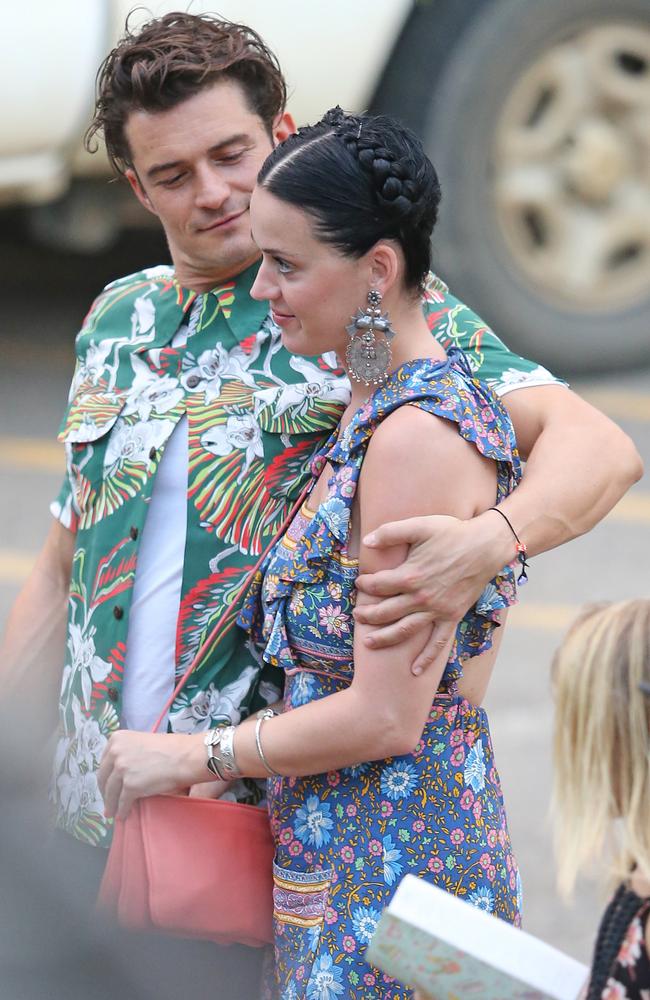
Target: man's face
pixel 194 166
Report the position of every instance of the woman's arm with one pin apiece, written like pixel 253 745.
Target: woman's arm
pixel 416 463
pixel 579 465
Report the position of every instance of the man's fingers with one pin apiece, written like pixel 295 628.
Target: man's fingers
pixel 387 611
pixel 401 630
pixel 407 532
pixel 404 579
pixel 438 645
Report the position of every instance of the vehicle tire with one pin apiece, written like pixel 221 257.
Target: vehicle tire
pixel 538 122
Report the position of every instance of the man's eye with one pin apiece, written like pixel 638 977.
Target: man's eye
pixel 171 181
pixel 231 157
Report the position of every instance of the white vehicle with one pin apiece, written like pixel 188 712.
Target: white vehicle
pixel 536 114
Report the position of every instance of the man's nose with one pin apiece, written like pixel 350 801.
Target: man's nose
pixel 212 191
pixel 263 286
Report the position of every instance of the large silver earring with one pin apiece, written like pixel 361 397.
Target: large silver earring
pixel 368 358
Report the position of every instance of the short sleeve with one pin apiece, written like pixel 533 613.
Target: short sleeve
pixel 63 506
pixel 454 324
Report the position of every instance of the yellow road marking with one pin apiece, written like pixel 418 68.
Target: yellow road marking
pixel 31 454
pixel 15 565
pixel 619 405
pixel 544 617
pixel 634 507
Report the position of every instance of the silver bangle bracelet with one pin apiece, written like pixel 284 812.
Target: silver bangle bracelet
pixel 228 753
pixel 215 766
pixel 261 719
pixel 214 763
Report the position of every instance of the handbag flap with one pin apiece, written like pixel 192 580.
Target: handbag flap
pixel 209 868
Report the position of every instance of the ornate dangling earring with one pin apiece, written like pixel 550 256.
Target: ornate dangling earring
pixel 368 359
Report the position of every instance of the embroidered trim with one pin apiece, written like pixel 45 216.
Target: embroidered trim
pixel 300 898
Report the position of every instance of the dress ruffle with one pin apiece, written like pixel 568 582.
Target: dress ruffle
pixel 304 557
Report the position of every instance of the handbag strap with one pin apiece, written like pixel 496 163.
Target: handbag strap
pixel 229 617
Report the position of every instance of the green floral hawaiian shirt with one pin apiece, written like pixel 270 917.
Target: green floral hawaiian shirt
pixel 255 416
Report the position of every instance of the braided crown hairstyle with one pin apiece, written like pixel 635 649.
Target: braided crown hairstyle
pixel 361 179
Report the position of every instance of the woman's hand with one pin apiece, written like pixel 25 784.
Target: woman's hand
pixel 209 789
pixel 135 765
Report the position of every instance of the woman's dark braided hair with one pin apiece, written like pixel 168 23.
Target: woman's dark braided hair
pixel 361 179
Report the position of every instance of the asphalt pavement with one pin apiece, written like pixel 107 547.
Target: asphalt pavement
pixel 44 299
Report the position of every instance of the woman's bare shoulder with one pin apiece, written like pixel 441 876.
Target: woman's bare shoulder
pixel 417 463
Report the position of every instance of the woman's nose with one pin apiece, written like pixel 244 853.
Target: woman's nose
pixel 263 286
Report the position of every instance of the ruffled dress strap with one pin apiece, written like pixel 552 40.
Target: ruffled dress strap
pixel 445 389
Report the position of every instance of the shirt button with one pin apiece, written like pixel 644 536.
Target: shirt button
pixel 118 611
pixel 152 454
pixel 112 695
pixel 133 531
pixel 192 381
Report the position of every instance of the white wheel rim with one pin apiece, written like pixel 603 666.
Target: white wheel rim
pixel 571 170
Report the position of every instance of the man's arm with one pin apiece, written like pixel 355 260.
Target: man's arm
pixel 579 465
pixel 33 642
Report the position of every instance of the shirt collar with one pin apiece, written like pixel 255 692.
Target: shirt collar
pixel 243 314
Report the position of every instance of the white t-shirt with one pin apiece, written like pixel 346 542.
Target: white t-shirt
pixel 151 638
pixel 150 662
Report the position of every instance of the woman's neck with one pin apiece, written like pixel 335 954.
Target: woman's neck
pixel 412 340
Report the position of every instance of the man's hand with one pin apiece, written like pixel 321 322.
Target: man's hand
pixel 135 765
pixel 449 564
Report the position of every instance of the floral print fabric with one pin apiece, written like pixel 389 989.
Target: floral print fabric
pixel 344 839
pixel 629 978
pixel 255 418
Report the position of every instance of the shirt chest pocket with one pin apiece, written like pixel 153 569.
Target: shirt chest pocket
pixel 294 421
pixel 111 454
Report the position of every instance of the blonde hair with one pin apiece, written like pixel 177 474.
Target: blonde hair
pixel 602 740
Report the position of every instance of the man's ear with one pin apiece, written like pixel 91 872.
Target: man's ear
pixel 138 190
pixel 283 127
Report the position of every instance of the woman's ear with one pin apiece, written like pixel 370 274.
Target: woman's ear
pixel 386 266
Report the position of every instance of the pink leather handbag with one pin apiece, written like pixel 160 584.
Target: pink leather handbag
pixel 192 867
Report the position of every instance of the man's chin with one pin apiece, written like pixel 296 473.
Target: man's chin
pixel 215 262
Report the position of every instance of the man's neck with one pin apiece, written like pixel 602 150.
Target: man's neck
pixel 196 280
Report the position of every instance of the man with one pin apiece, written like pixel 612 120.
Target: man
pixel 189 431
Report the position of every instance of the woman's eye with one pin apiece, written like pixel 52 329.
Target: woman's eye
pixel 283 266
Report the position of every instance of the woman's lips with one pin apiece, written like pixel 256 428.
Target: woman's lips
pixel 281 319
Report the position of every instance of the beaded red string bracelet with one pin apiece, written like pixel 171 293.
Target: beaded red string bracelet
pixel 521 548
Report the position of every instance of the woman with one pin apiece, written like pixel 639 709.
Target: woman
pixel 602 782
pixel 376 772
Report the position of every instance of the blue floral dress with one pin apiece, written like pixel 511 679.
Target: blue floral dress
pixel 345 838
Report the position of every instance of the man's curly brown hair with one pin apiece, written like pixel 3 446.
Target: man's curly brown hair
pixel 172 58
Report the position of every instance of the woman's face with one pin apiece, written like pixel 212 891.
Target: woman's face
pixel 313 289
